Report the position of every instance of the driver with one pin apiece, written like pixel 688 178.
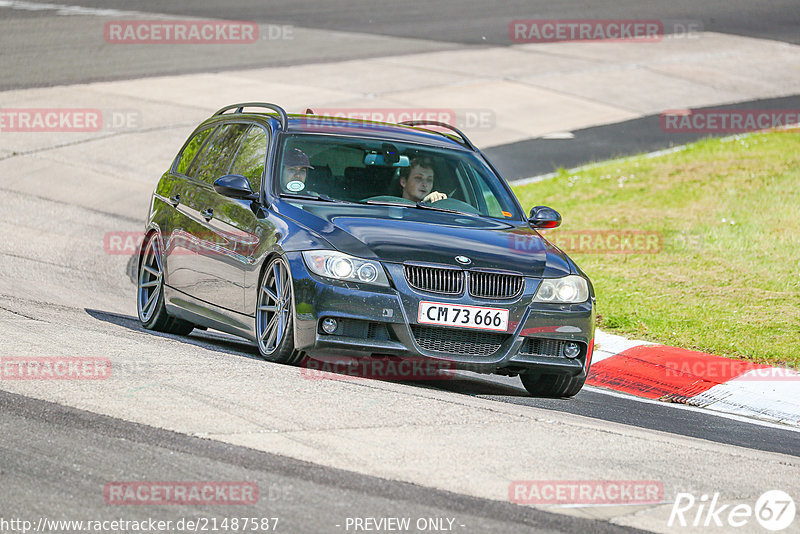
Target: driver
pixel 416 180
pixel 295 167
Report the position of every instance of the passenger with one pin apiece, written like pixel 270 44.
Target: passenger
pixel 416 181
pixel 295 169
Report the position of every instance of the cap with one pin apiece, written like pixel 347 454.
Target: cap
pixel 296 158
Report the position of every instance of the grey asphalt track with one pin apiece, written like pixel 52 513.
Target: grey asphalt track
pixel 58 460
pixel 591 402
pixel 480 21
pixel 54 459
pixel 42 48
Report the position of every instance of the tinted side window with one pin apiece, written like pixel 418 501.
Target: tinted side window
pixel 191 150
pixel 220 151
pixel 251 157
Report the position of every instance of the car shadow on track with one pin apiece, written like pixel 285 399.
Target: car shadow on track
pixel 199 338
pixel 473 386
pixel 228 344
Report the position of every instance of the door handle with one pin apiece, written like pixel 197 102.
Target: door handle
pixel 175 200
pixel 207 214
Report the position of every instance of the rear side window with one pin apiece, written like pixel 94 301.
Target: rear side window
pixel 252 156
pixel 191 150
pixel 217 157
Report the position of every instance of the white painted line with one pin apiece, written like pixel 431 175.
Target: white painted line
pixel 63 9
pixel 771 400
pixel 514 382
pixel 558 135
pixel 679 406
pixel 607 345
pixel 778 377
pixel 771 394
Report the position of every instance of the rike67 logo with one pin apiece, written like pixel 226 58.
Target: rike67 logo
pixel 774 510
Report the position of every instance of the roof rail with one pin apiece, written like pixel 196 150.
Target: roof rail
pixel 274 107
pixel 423 122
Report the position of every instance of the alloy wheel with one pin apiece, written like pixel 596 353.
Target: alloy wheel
pixel 150 277
pixel 274 307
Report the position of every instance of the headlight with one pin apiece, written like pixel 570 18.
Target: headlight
pixel 568 290
pixel 333 264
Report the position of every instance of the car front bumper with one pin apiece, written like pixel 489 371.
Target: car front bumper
pixel 381 321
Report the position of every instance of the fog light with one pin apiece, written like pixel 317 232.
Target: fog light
pixel 329 325
pixel 571 350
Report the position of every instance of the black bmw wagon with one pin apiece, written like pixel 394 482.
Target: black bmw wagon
pixel 315 236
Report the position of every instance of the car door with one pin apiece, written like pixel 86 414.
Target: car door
pixel 201 257
pixel 174 191
pixel 235 222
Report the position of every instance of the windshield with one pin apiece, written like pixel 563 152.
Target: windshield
pixel 378 172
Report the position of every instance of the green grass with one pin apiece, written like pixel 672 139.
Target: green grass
pixel 727 279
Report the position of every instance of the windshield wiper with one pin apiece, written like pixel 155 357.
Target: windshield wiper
pixel 388 203
pixel 327 198
pixel 420 205
pixel 424 206
pixel 317 196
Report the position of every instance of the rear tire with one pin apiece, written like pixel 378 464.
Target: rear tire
pixel 275 314
pixel 150 292
pixel 552 385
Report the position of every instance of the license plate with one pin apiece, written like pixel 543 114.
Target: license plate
pixel 463 316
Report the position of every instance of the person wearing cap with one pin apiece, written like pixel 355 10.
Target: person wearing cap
pixel 295 167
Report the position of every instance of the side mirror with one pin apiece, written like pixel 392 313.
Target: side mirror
pixel 234 186
pixel 544 217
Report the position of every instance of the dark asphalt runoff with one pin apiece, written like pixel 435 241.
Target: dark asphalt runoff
pixel 591 402
pixel 44 47
pixel 534 157
pixel 55 462
pixel 481 21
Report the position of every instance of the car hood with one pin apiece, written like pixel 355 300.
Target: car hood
pixel 399 234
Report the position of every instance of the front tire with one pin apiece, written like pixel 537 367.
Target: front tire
pixel 150 292
pixel 552 385
pixel 275 314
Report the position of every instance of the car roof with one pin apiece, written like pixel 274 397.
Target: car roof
pixel 347 127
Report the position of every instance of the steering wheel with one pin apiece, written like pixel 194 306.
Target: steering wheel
pixel 455 204
pixel 389 198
